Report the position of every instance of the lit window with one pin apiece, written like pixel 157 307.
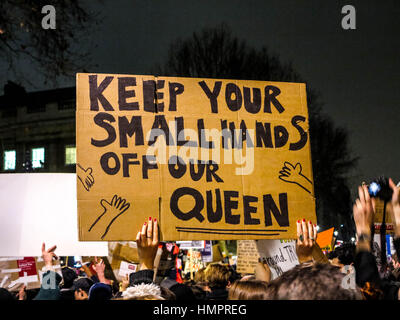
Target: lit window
pixel 10 158
pixel 37 157
pixel 70 155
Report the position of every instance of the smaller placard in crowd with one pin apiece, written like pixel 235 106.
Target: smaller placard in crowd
pixel 22 270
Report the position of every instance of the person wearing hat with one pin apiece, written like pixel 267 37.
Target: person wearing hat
pixel 100 292
pixel 6 295
pixel 81 288
pixel 69 275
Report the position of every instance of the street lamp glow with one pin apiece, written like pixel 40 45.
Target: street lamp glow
pixel 353 239
pixel 336 233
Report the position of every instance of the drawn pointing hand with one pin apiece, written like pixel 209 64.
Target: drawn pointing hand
pixel 292 174
pixel 85 176
pixel 117 205
pixel 112 210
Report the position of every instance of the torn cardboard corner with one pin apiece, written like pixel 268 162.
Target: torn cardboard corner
pixel 210 159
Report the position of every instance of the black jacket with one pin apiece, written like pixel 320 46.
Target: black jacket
pixel 217 294
pixel 367 271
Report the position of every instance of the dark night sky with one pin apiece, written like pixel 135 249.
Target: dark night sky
pixel 356 71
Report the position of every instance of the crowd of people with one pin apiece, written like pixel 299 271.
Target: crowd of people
pixel 317 277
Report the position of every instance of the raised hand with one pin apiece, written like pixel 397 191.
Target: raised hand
pixel 394 207
pixel 124 283
pixel 306 239
pixel 21 295
pixel 147 244
pixel 85 176
pixel 99 267
pixel 292 174
pixel 363 211
pixel 48 255
pixel 262 271
pixel 112 210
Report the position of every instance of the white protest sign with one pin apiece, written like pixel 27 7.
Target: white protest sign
pixel 186 245
pixel 41 207
pixel 126 268
pixel 390 250
pixel 207 252
pixel 280 255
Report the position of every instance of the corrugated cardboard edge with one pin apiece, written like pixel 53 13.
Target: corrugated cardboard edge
pixel 80 236
pixel 303 96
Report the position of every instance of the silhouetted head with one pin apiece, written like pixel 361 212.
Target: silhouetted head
pixel 217 275
pixel 248 290
pixel 309 281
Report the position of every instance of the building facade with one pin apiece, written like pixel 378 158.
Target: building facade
pixel 37 130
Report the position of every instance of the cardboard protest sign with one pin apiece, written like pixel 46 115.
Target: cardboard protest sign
pixel 123 258
pixel 378 217
pixel 23 270
pixel 193 262
pixel 123 251
pixel 210 159
pixel 216 253
pixel 324 239
pixel 247 256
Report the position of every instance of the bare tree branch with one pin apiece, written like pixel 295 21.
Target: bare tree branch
pixel 51 52
pixel 216 53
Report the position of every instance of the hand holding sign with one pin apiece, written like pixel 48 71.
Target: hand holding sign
pixel 292 174
pixel 112 210
pixel 99 267
pixel 147 244
pixel 306 236
pixel 262 271
pixel 124 284
pixel 85 176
